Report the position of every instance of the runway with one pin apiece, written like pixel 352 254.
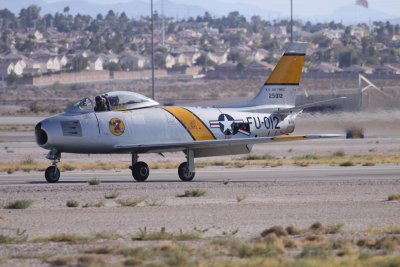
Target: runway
pixel 216 175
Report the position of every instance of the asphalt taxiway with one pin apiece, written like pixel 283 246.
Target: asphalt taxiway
pixel 247 174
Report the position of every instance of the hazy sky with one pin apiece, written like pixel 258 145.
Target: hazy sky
pixel 306 7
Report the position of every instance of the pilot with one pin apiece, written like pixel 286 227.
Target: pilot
pixel 100 104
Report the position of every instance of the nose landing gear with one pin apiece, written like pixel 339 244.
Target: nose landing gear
pixel 52 173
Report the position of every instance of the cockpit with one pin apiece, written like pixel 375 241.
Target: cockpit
pixel 118 100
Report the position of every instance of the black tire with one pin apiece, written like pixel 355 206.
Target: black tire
pixel 184 174
pixel 140 171
pixel 52 174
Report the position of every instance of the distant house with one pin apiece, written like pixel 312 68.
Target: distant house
pixel 170 61
pixel 358 69
pixel 8 66
pixel 109 58
pixel 95 63
pixel 384 70
pixel 44 62
pixel 131 61
pixel 259 55
pixel 64 61
pixel 325 68
pixel 219 57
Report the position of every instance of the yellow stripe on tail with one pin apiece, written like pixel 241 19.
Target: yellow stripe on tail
pixel 287 71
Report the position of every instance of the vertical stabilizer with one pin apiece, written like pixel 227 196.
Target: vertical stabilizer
pixel 280 89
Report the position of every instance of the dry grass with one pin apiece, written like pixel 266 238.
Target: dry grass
pixel 154 202
pixel 94 204
pixel 336 158
pixel 193 193
pixel 13 237
pixel 92 260
pixel 394 197
pixel 69 238
pixel 393 229
pixel 112 195
pixel 240 198
pixel 19 204
pixel 164 235
pixel 129 202
pixel 313 247
pixel 63 261
pixel 276 230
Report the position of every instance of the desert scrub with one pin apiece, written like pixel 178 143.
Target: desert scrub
pixel 154 202
pixel 240 198
pixel 164 235
pixel 348 163
pixel 94 204
pixel 112 195
pixel 94 181
pixel 129 202
pixel 19 204
pixel 339 153
pixel 277 230
pixel 193 193
pixel 14 238
pixel 72 203
pixel 394 197
pixel 70 238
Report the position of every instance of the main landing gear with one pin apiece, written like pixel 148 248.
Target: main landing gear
pixel 52 173
pixel 140 170
pixel 186 170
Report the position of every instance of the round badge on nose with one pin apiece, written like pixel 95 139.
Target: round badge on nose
pixel 117 126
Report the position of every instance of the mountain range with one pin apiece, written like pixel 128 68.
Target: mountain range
pixel 347 14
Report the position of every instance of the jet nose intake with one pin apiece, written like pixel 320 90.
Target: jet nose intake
pixel 41 135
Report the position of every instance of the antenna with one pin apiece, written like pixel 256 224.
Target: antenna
pixel 152 53
pixel 291 21
pixel 162 22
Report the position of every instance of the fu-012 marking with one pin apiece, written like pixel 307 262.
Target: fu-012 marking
pixel 270 123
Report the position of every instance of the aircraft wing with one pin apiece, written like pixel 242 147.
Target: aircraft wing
pixel 216 144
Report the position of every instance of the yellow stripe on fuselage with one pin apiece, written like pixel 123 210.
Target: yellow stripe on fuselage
pixel 288 138
pixel 196 128
pixel 287 71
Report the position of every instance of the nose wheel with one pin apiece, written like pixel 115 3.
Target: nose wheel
pixel 52 173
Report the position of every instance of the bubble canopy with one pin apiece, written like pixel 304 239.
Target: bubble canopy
pixel 117 100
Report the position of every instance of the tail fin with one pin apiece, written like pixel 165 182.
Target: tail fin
pixel 281 86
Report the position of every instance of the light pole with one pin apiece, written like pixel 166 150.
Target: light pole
pixel 152 53
pixel 291 21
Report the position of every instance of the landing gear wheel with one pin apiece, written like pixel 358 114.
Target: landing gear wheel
pixel 140 171
pixel 184 173
pixel 52 174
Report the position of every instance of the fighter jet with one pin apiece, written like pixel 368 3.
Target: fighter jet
pixel 130 123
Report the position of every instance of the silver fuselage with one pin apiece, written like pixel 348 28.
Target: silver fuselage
pixel 98 132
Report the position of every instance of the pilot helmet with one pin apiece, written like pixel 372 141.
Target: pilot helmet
pixel 98 99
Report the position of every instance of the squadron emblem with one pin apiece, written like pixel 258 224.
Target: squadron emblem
pixel 116 126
